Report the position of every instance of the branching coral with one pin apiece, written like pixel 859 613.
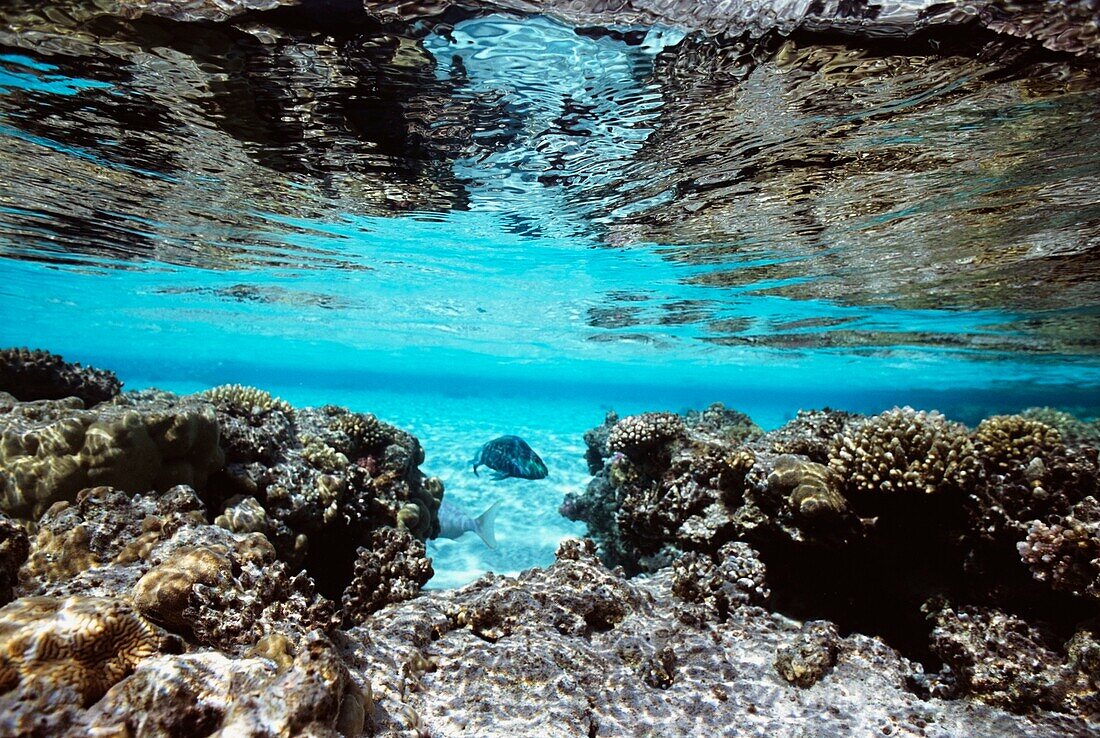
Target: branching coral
pixel 393 569
pixel 637 436
pixel 905 451
pixel 734 576
pixel 1066 552
pixel 40 375
pixel 249 400
pixel 1008 443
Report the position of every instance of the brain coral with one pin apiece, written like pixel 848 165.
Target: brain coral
pixel 50 450
pixel 902 450
pixel 637 436
pixel 85 644
pixel 40 375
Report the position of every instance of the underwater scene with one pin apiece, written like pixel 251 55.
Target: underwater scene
pixel 554 368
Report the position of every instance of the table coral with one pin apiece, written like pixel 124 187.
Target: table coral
pixel 40 375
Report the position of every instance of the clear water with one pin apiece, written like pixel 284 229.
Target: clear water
pixel 501 225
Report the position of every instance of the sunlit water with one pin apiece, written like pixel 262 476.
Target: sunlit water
pixel 501 225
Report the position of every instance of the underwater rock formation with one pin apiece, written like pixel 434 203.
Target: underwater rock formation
pixel 576 650
pixel 40 375
pixel 867 526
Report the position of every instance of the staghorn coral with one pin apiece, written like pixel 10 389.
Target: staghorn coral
pixel 735 576
pixel 905 451
pixel 1066 551
pixel 249 400
pixel 393 569
pixel 50 450
pixel 40 375
pixel 810 656
pixel 85 644
pixel 638 436
pixel 14 548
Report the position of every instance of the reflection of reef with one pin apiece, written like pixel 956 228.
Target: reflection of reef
pixel 844 174
pixel 895 524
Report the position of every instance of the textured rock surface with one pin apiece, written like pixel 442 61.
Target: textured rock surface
pixel 576 650
pixel 40 375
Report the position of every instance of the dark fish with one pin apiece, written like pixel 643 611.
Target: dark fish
pixel 453 522
pixel 510 456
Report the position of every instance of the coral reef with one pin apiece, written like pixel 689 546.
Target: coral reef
pixel 863 521
pixel 905 451
pixel 576 649
pixel 40 375
pixel 1066 552
pixel 1003 660
pixel 51 449
pixel 393 569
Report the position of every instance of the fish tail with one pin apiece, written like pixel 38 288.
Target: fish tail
pixel 485 525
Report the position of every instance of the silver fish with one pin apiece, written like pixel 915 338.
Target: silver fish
pixel 453 522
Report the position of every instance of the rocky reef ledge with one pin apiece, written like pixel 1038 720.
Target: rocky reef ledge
pixel 223 564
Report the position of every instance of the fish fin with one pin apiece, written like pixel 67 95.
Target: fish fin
pixel 500 475
pixel 485 525
pixel 475 470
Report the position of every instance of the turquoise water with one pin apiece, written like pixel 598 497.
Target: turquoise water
pixel 500 225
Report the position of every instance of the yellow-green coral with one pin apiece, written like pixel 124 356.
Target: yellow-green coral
pixel 1010 442
pixel 321 456
pixel 248 399
pixel 902 450
pixel 51 450
pixel 811 488
pixel 83 643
